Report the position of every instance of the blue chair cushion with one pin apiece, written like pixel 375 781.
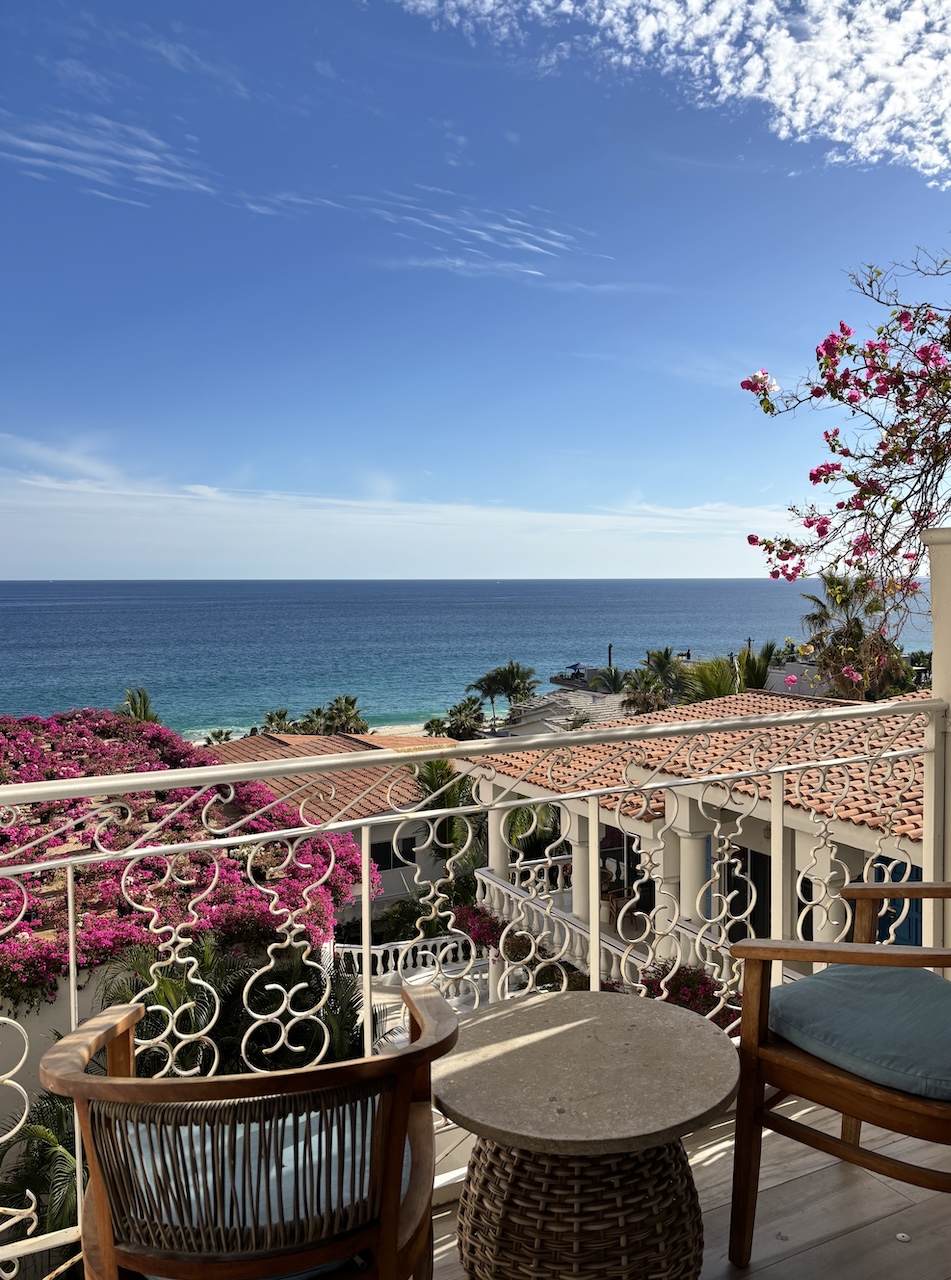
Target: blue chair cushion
pixel 888 1025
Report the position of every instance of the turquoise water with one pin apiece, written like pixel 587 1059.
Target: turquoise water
pixel 222 653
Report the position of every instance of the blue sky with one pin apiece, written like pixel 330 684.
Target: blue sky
pixel 438 288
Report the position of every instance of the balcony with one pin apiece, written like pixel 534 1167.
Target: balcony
pixel 652 846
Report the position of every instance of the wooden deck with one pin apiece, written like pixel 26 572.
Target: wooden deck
pixel 817 1219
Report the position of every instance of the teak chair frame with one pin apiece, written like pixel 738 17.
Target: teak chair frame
pixel 768 1060
pixel 395 1244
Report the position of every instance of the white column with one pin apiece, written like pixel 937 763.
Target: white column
pixel 937 798
pixel 580 899
pixel 693 875
pixel 498 849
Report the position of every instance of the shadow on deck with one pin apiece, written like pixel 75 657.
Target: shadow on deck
pixel 816 1218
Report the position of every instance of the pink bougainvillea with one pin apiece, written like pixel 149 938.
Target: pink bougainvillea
pixel 481 925
pixel 888 482
pixel 252 891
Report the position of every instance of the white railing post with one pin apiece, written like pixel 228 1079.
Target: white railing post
pixel 937 791
pixel 366 908
pixel 499 866
pixel 594 894
pixel 74 1014
pixel 783 903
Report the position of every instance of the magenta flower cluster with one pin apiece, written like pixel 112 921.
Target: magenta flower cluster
pixel 250 895
pixel 896 387
pixel 688 987
pixel 481 925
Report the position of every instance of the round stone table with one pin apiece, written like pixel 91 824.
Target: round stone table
pixel 579 1100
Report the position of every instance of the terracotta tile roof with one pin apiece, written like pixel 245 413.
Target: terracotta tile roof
pixel 363 793
pixel 887 795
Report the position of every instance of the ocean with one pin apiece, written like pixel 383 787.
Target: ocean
pixel 219 654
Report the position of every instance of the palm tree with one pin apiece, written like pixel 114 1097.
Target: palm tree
pixel 465 719
pixel 313 721
pixel 712 678
pixel 343 716
pixel 41 1159
pixel 436 727
pixel 645 692
pixel 443 788
pixel 218 735
pixel 842 626
pixel 754 667
pixel 276 721
pixel 517 683
pixel 610 680
pixel 533 829
pixel 488 686
pixel 224 968
pixel 669 671
pixel 138 706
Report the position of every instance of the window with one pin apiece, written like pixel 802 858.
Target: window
pixel 382 853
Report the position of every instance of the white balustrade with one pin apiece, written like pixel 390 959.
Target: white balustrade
pixel 729 824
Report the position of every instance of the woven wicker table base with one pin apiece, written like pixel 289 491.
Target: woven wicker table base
pixel 524 1215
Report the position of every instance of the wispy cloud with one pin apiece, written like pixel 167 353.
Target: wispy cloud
pixel 72 461
pixel 609 286
pixel 76 76
pixel 433 227
pixel 464 266
pixel 106 195
pixel 187 60
pixel 100 150
pixel 870 76
pixel 88 520
pixel 450 232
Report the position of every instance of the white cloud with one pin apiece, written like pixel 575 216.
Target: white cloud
pixel 460 266
pixel 104 195
pixel 76 76
pixel 873 77
pixel 185 59
pixel 83 520
pixel 100 150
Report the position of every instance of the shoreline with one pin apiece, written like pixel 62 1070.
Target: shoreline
pixel 413 728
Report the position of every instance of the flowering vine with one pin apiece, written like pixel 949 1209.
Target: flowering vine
pixel 885 482
pixel 116 902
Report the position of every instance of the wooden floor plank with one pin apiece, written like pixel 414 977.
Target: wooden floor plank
pixel 816 1217
pixel 795 1217
pixel 874 1252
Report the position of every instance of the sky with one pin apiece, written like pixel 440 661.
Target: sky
pixel 438 288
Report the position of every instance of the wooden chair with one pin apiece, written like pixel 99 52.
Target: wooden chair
pixel 320 1170
pixel 767 1059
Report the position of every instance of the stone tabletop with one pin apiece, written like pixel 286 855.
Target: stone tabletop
pixel 586 1072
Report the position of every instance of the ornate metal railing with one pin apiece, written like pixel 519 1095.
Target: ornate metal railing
pixel 652 848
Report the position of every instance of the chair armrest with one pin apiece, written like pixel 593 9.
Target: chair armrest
pixel 63 1065
pixel 887 889
pixel 432 1020
pixel 842 953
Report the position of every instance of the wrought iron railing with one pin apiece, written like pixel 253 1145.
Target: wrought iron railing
pixel 651 847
